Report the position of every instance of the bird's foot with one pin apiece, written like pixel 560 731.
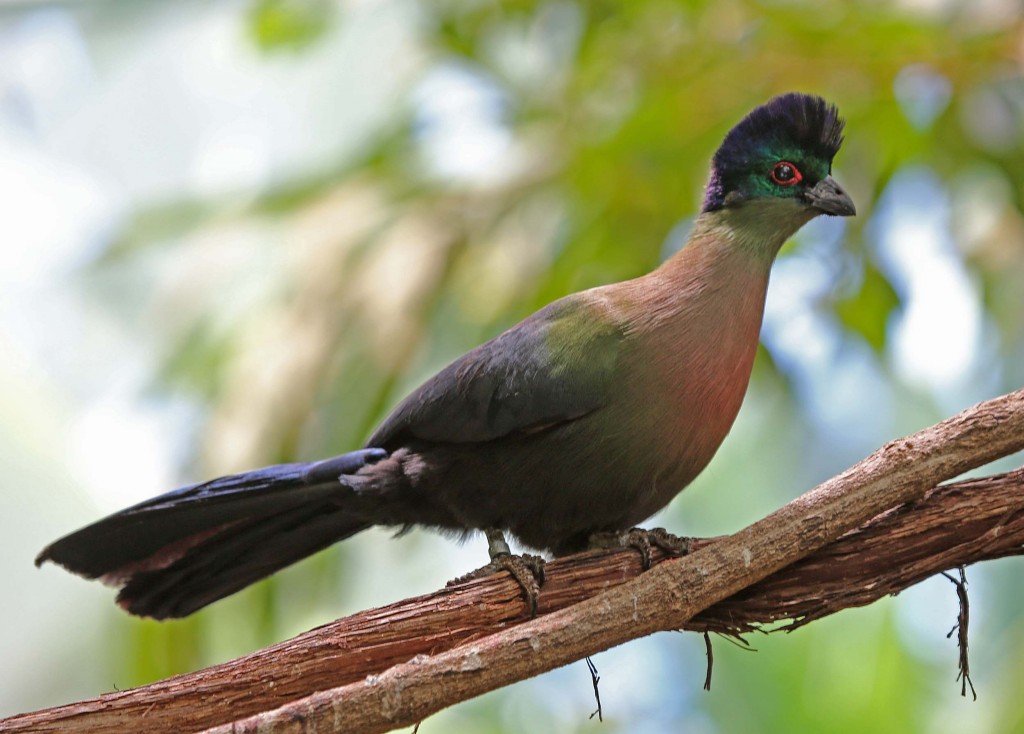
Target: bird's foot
pixel 526 569
pixel 641 539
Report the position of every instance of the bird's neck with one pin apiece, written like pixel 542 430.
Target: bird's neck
pixel 703 306
pixel 720 276
pixel 758 227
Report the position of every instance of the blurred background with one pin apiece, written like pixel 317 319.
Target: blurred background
pixel 235 233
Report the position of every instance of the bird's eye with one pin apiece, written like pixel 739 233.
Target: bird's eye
pixel 786 174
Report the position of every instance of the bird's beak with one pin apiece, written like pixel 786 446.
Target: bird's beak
pixel 828 197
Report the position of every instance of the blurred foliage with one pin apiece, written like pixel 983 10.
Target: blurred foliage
pixel 868 309
pixel 384 267
pixel 289 24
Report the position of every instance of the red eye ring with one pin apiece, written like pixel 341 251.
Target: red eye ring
pixel 786 174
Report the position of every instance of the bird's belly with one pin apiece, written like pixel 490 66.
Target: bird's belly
pixel 553 490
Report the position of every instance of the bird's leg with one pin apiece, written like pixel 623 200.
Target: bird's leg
pixel 642 540
pixel 526 569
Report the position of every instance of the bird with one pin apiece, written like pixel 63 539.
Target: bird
pixel 570 428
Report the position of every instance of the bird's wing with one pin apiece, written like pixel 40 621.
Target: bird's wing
pixel 555 366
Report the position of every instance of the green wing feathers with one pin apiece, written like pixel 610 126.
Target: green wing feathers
pixel 555 366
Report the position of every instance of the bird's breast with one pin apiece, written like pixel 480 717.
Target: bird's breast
pixel 687 389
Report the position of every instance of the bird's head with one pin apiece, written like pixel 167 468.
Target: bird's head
pixel 776 164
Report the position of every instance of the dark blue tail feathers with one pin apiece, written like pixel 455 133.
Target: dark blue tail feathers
pixel 184 549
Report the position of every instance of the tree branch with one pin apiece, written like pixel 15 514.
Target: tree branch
pixel 379 657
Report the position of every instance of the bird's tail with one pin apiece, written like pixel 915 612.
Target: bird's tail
pixel 178 552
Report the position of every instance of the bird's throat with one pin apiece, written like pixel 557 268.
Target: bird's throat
pixel 759 227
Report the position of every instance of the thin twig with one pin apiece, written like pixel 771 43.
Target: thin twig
pixel 595 679
pixel 962 622
pixel 711 660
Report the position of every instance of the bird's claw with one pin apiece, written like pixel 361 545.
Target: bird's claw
pixel 526 569
pixel 642 540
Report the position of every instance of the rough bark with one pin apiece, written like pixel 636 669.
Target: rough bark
pixel 392 666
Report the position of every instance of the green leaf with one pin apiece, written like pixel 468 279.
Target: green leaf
pixel 867 311
pixel 289 25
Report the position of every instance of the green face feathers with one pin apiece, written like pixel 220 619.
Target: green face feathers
pixel 781 149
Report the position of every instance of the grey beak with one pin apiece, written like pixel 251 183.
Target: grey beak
pixel 828 197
